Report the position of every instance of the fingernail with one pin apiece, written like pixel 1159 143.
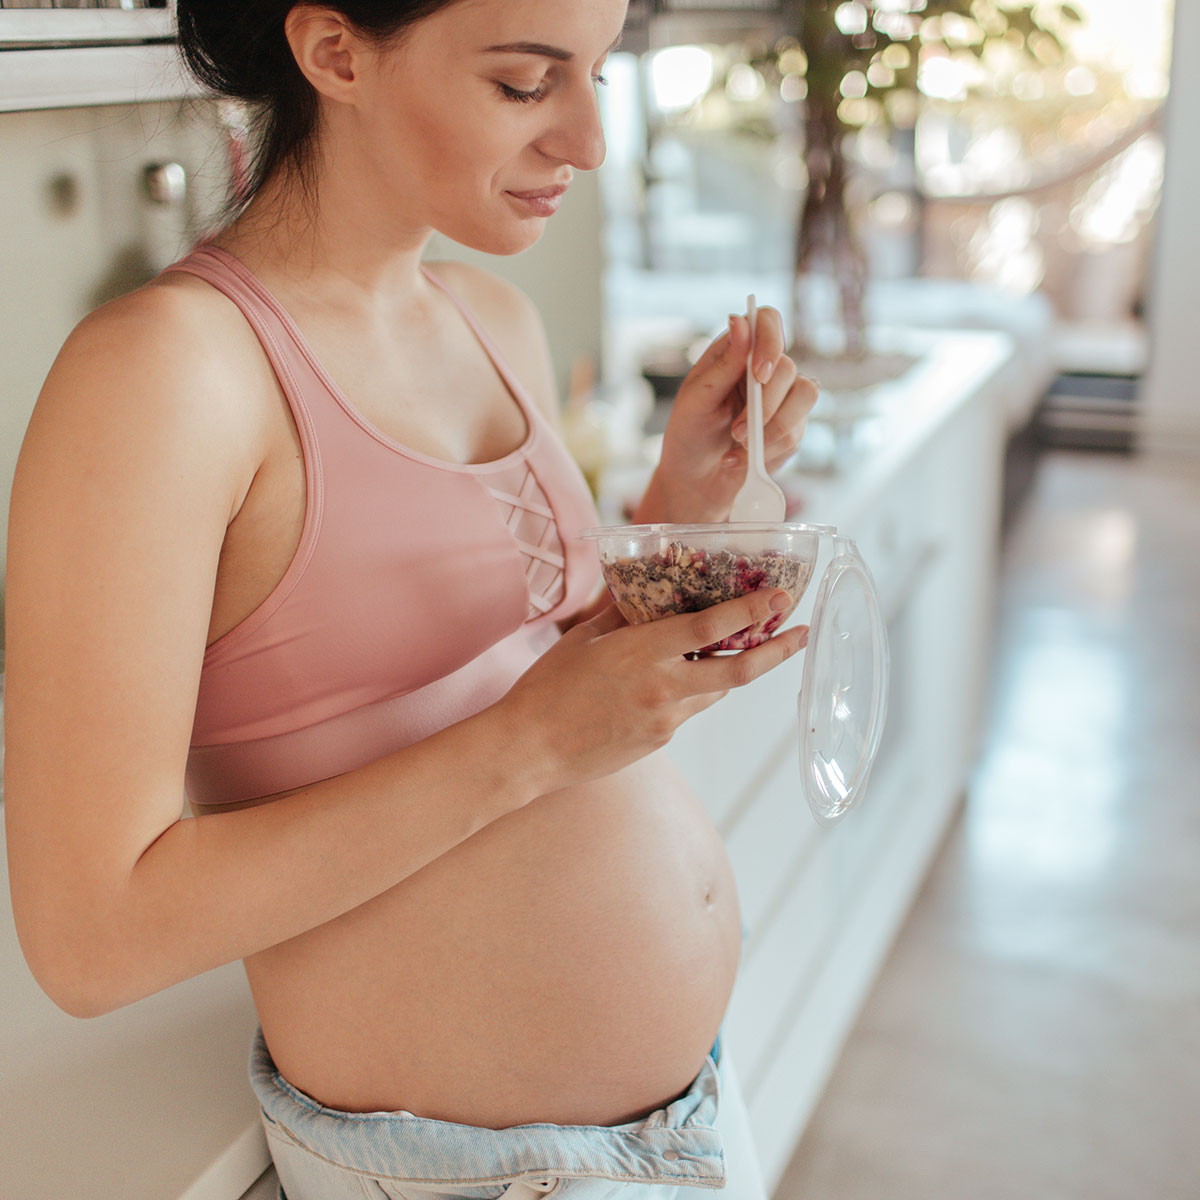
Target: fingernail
pixel 738 432
pixel 730 460
pixel 780 601
pixel 763 371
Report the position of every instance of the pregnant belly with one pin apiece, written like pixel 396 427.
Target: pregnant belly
pixel 569 963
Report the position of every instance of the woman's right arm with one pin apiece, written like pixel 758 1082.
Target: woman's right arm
pixel 134 463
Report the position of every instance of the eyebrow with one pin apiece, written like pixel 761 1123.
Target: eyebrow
pixel 542 50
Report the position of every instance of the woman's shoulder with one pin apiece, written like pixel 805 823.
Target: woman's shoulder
pixel 163 364
pixel 175 337
pixel 512 322
pixel 174 326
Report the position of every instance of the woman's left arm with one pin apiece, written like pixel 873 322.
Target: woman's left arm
pixel 703 461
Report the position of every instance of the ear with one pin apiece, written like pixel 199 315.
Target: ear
pixel 325 47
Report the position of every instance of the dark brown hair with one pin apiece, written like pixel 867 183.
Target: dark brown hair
pixel 238 49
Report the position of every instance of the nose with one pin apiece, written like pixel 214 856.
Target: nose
pixel 576 135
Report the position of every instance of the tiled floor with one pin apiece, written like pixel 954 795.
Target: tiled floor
pixel 1035 1034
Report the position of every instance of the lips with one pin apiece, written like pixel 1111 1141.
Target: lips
pixel 542 202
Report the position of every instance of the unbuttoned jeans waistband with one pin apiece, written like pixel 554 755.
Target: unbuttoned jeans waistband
pixel 675 1145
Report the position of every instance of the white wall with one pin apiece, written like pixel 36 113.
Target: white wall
pixel 1170 396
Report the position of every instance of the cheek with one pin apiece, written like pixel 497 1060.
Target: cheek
pixel 458 142
pixel 426 140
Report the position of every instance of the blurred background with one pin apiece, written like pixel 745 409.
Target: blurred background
pixel 1001 164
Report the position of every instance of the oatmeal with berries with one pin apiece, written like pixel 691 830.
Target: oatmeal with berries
pixel 680 579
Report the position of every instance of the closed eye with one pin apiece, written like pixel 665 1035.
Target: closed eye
pixel 539 92
pixel 512 93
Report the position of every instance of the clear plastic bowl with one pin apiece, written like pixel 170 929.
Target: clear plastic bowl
pixel 654 571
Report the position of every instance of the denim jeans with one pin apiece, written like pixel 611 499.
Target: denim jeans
pixel 701 1139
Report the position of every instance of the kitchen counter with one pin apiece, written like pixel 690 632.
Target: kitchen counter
pixel 918 488
pixel 148 1103
pixel 952 369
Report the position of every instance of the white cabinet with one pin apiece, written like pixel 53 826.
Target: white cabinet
pixel 75 56
pixel 821 906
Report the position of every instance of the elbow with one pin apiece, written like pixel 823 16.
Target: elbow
pixel 77 992
pixel 81 998
pixel 75 942
pixel 75 980
pixel 79 1004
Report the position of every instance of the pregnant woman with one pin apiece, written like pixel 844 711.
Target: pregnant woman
pixel 293 533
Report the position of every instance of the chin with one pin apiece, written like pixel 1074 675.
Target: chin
pixel 500 241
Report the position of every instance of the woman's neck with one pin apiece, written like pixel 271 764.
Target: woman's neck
pixel 315 238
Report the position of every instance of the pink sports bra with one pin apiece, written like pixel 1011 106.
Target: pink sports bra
pixel 419 592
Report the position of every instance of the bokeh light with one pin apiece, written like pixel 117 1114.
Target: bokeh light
pixel 680 76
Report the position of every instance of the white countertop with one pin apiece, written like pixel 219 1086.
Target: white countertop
pixel 951 366
pixel 148 1103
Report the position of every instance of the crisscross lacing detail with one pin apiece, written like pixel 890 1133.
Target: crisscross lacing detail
pixel 530 520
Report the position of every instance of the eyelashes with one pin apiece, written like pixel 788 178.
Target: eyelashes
pixel 538 93
pixel 512 93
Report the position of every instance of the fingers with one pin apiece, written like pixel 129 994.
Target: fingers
pixel 720 674
pixel 769 344
pixel 721 367
pixel 786 405
pixel 685 633
pixel 787 401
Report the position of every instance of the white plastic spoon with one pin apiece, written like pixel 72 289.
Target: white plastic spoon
pixel 759 498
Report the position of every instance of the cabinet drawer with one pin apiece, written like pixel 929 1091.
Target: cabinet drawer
pixel 779 965
pixel 725 750
pixel 770 835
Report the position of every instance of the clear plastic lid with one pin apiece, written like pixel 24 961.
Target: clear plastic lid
pixel 843 693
